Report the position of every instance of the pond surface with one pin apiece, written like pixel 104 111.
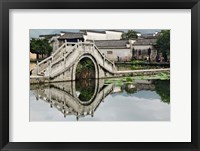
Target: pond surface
pixel 93 100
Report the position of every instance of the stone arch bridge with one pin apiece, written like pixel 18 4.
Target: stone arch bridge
pixel 61 65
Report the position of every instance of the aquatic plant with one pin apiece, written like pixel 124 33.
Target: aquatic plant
pixel 159 76
pixel 138 62
pixel 129 79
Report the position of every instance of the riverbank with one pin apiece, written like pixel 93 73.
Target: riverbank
pixel 140 74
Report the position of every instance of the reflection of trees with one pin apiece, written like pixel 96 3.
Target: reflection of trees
pixel 162 88
pixel 86 89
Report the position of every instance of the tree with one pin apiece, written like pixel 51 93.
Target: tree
pixel 163 43
pixel 129 35
pixel 40 46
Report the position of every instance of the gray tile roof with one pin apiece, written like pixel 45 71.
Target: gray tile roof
pixel 49 36
pixel 94 31
pixel 99 31
pixel 111 43
pixel 71 35
pixel 145 42
pixel 116 31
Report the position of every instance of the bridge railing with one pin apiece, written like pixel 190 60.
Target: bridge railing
pixel 109 64
pixel 56 60
pixel 60 64
pixel 65 47
pixel 103 56
pixel 41 66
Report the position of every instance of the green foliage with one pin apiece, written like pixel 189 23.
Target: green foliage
pixel 86 94
pixel 40 46
pixel 86 88
pixel 85 69
pixel 163 89
pixel 129 79
pixel 118 83
pixel 138 62
pixel 158 76
pixel 163 76
pixel 163 42
pixel 131 34
pixel 136 67
pixel 108 81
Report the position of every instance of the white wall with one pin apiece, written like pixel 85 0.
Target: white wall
pixel 124 54
pixel 144 55
pixel 108 35
pixel 141 47
pixel 112 35
pixel 96 36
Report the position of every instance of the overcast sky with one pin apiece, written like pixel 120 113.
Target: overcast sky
pixel 34 33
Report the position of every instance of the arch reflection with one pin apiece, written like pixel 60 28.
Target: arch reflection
pixel 82 98
pixel 78 98
pixel 85 90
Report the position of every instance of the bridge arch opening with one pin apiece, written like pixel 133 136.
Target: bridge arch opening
pixel 85 69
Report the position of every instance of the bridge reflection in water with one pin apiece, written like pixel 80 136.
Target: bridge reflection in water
pixel 142 100
pixel 79 98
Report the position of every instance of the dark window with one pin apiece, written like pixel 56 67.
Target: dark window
pixel 109 52
pixel 139 52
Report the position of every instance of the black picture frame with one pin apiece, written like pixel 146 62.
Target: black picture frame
pixel 5 5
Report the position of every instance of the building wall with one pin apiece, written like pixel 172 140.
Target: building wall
pixel 95 36
pixel 55 45
pixel 33 56
pixel 117 54
pixel 141 52
pixel 111 35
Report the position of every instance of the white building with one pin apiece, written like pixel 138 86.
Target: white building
pixel 143 47
pixel 90 35
pixel 113 34
pixel 115 50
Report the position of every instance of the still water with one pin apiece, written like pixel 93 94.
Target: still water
pixel 94 100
